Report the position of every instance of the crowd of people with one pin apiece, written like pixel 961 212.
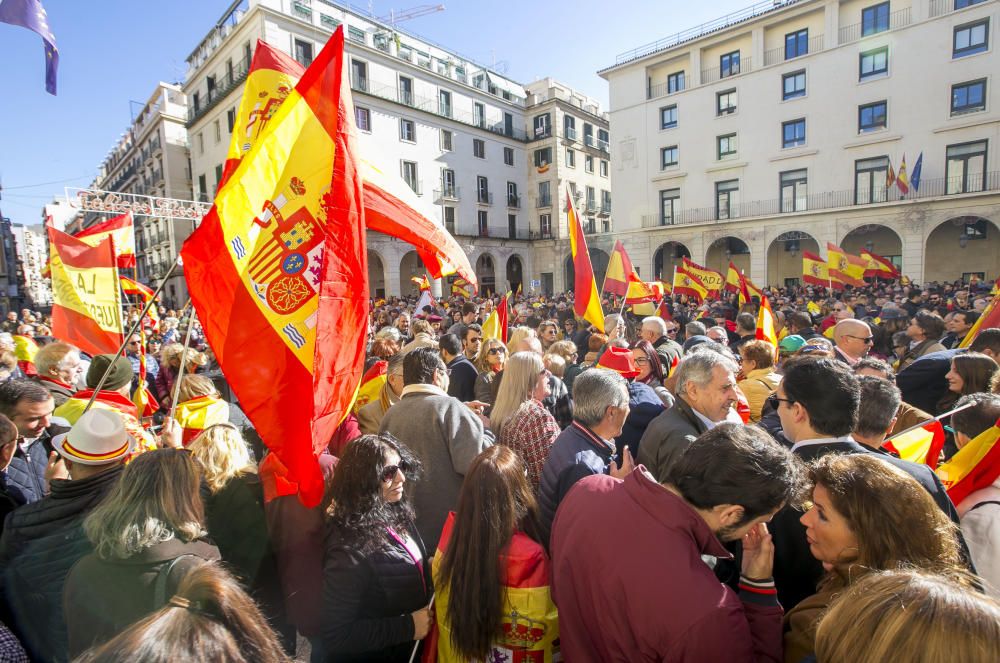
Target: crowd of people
pixel 667 487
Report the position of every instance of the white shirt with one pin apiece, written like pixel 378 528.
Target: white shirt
pixel 821 440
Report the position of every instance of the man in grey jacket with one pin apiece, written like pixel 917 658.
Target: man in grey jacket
pixel 706 393
pixel 444 433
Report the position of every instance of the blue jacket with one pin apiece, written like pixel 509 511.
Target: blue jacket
pixel 644 406
pixel 26 473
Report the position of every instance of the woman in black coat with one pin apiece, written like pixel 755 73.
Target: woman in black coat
pixel 376 580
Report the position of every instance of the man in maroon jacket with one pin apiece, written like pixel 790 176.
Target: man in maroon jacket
pixel 631 558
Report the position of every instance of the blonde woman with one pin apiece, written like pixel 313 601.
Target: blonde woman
pixel 170 368
pixel 199 406
pixel 489 362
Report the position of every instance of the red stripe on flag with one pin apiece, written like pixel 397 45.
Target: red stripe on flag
pixel 83 332
pixel 116 223
pixel 321 83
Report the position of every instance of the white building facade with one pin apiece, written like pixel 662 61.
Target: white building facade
pixel 32 249
pixel 782 127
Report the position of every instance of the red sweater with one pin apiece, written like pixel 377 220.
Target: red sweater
pixel 630 583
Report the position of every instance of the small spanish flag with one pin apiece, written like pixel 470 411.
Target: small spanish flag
pixel 921 444
pixel 975 466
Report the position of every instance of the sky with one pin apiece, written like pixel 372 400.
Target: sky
pixel 112 52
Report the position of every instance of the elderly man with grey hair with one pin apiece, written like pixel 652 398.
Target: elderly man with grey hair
pixel 587 446
pixel 654 330
pixel 706 393
pixel 694 328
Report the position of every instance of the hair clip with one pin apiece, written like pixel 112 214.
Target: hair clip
pixel 179 602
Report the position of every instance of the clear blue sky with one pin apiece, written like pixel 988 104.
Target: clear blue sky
pixel 114 51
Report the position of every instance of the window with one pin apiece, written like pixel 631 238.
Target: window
pixel 543 157
pixel 483 223
pixel 962 4
pixel 871 117
pixel 793 133
pixel 725 146
pixel 359 75
pixel 588 163
pixel 602 139
pixel 729 64
pixel 478 114
pixel 303 52
pixel 605 202
pixel 444 103
pixel 218 130
pixel 971 38
pixel 975 230
pixel 670 200
pixel 410 175
pixel 668 157
pixel 483 189
pixel 508 156
pixel 406 90
pixel 796 44
pixel 675 82
pixel 544 194
pixel 543 125
pixel 448 188
pixel 407 130
pixel 545 224
pixel 968 97
pixel 793 184
pixel 873 63
pixel 591 199
pixel 449 219
pixel 447 140
pixel 513 200
pixel 479 148
pixel 201 143
pixel 356 34
pixel 875 19
pixel 363 118
pixel 726 199
pixel 668 117
pixel 870 179
pixel 570 158
pixel 966 167
pixel 569 127
pixel 230 119
pixel 588 134
pixel 793 85
pixel 604 167
pixel 202 189
pixel 725 102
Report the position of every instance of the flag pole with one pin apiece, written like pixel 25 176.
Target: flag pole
pixel 937 418
pixel 132 330
pixel 181 369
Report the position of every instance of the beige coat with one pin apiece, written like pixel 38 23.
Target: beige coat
pixel 757 386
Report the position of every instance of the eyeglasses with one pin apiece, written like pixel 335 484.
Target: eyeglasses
pixel 496 351
pixel 641 361
pixel 773 400
pixel 672 331
pixel 389 471
pixel 866 339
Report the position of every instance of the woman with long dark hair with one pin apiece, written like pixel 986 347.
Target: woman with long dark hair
pixel 652 372
pixel 491 572
pixel 971 372
pixel 376 584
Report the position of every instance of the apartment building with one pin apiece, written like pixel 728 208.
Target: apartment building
pixel 569 153
pixel 785 126
pixel 32 250
pixel 453 129
pixel 151 159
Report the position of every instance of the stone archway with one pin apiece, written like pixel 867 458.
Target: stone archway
pixel 599 262
pixel 876 238
pixel 515 273
pixel 376 275
pixel 725 250
pixel 486 274
pixel 410 266
pixel 669 255
pixel 962 246
pixel 784 257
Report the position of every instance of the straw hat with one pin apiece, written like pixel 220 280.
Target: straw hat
pixel 97 438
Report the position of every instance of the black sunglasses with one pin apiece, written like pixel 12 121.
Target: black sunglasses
pixel 866 339
pixel 773 400
pixel 496 351
pixel 389 471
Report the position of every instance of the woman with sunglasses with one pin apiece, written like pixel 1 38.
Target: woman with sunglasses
pixel 489 362
pixel 376 578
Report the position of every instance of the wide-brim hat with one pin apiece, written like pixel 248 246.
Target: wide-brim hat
pixel 97 438
pixel 619 360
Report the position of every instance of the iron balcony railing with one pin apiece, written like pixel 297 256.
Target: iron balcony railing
pixel 447 193
pixel 851 33
pixel 778 55
pixel 718 73
pixel 544 201
pixel 223 86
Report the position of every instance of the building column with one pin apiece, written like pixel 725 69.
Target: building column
pixel 392 263
pixel 831 23
pixel 914 248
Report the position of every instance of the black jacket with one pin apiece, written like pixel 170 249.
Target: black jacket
pixel 796 571
pixel 368 598
pixel 923 382
pixel 26 472
pixel 667 436
pixel 41 543
pixel 462 382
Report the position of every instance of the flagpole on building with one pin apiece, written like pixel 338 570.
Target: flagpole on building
pixel 131 331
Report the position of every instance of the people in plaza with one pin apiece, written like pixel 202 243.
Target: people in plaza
pixel 644 404
pixel 29 407
pixel 170 368
pixel 746 329
pixel 146 535
pixel 519 419
pixel 423 336
pixel 376 578
pixel 652 372
pixel 472 340
pixel 925 330
pixel 971 372
pixel 852 340
pixel 370 414
pixel 492 555
pixel 866 515
pixel 759 377
pixel 462 373
pixel 923 382
pixel 490 363
pixel 958 326
pixel 906 416
pixel 663 337
pixel 468 315
pixel 548 333
pixel 724 488
pixel 59 368
pixel 443 432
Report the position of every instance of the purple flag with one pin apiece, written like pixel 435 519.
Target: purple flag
pixel 30 14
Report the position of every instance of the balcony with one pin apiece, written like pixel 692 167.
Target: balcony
pixel 777 55
pixel 569 134
pixel 605 209
pixel 852 33
pixel 496 232
pixel 717 73
pixel 591 206
pixel 224 85
pixel 542 132
pixel 484 197
pixel 544 201
pixel 448 193
pixel 513 201
pixel 359 83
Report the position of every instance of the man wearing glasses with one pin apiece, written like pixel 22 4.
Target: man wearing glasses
pixel 853 339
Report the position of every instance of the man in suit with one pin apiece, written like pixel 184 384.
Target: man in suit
pixel 462 372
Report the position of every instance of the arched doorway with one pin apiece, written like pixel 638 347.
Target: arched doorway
pixel 961 247
pixel 876 238
pixel 515 271
pixel 376 275
pixel 784 257
pixel 598 261
pixel 668 256
pixel 486 273
pixel 725 250
pixel 409 267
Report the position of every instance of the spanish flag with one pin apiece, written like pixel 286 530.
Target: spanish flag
pixel 277 272
pixel 371 384
pixel 133 288
pixel 686 283
pixel 495 325
pixel 122 233
pixel 920 444
pixel 901 180
pixel 988 319
pixel 86 299
pixel 975 466
pixel 587 301
pixel 421 282
pixel 616 279
pixel 765 325
pixel 878 266
pixel 845 269
pixel 814 270
pixel 640 292
pixel 197 414
pixel 461 288
pixel 711 279
pixel 734 280
pixel 76 405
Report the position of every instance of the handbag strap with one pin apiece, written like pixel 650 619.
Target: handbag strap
pixel 162 578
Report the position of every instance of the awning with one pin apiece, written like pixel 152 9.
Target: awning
pixel 507 86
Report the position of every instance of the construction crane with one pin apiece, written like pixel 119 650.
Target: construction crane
pixel 395 17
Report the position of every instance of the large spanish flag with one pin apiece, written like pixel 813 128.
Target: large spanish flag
pixel 711 279
pixel 686 283
pixel 587 302
pixel 878 266
pixel 845 269
pixel 122 233
pixel 197 414
pixel 734 279
pixel 616 279
pixel 277 272
pixel 814 270
pixel 86 299
pixel 765 324
pixel 975 466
